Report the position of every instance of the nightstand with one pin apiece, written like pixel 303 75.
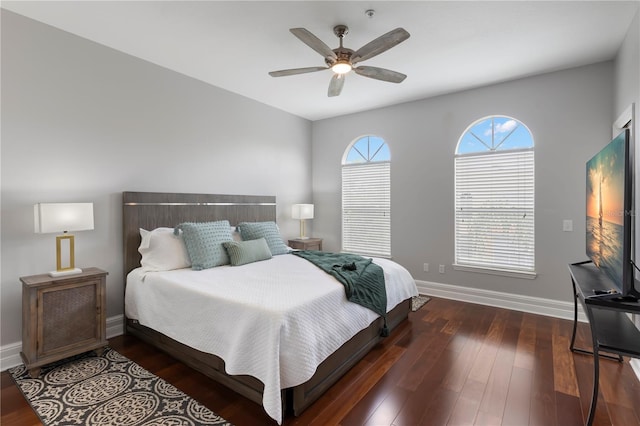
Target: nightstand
pixel 62 317
pixel 306 244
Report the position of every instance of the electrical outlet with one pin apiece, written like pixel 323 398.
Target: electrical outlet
pixel 441 269
pixel 567 225
pixel 425 267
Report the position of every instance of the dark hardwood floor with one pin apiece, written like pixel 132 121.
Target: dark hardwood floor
pixel 452 363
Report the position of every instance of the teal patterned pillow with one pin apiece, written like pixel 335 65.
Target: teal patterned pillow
pixel 267 230
pixel 204 243
pixel 243 252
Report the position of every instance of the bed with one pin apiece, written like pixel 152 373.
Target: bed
pixel 273 366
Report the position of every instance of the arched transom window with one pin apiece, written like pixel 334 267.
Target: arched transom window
pixel 368 149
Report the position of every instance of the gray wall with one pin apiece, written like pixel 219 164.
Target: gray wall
pixel 569 114
pixel 82 123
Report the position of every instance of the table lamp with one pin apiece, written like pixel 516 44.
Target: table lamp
pixel 62 218
pixel 302 212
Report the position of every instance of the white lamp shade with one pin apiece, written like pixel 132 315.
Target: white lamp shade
pixel 302 211
pixel 62 217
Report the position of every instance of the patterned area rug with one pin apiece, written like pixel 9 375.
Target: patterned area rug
pixel 418 302
pixel 108 390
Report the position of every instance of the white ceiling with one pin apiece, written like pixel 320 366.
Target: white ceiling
pixel 454 45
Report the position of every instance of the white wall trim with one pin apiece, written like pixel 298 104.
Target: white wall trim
pixel 115 326
pixel 534 305
pixel 10 354
pixel 635 364
pixel 626 120
pixel 623 120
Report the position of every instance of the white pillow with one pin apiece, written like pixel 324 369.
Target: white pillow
pixel 161 250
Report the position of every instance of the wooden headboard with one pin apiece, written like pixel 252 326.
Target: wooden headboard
pixel 150 210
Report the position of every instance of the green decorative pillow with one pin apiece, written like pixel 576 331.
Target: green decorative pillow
pixel 267 230
pixel 243 252
pixel 204 243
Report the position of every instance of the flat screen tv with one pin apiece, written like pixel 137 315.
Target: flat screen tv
pixel 609 218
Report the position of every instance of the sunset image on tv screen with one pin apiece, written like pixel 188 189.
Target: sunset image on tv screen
pixel 605 208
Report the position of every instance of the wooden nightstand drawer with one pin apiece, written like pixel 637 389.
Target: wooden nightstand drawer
pixel 306 244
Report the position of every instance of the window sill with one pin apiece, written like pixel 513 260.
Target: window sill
pixel 501 272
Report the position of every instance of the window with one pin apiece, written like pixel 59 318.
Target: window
pixel 494 198
pixel 366 197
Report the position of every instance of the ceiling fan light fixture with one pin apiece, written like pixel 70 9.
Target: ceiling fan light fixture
pixel 341 60
pixel 341 67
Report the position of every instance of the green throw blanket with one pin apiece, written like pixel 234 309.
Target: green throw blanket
pixel 363 280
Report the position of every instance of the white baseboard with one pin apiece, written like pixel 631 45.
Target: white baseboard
pixel 635 364
pixel 534 305
pixel 10 354
pixel 115 326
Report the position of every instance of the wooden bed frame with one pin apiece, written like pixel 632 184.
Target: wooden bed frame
pixel 150 210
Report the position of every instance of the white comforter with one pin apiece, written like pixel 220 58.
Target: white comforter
pixel 275 320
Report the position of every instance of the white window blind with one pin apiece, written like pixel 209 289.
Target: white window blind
pixel 494 202
pixel 366 208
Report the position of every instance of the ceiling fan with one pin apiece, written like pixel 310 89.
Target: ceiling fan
pixel 342 60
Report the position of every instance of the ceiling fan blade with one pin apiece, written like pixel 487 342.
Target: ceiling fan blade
pixel 336 84
pixel 380 44
pixel 313 42
pixel 380 74
pixel 294 71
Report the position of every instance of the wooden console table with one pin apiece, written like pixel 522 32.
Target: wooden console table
pixel 612 330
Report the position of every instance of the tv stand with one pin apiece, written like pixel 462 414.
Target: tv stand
pixel 612 331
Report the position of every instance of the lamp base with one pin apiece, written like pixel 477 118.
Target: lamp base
pixel 302 237
pixel 65 272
